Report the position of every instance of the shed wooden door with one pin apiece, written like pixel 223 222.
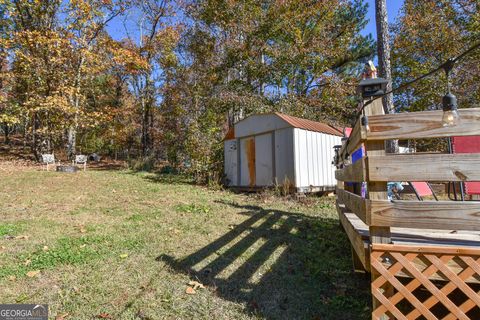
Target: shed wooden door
pixel 247 162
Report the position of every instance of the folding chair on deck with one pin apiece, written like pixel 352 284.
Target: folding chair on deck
pixel 469 144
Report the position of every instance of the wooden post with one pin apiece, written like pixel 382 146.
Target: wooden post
pixel 377 191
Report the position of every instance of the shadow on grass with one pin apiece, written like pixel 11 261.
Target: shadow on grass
pixel 281 265
pixel 106 165
pixel 166 178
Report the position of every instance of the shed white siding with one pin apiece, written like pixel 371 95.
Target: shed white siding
pixel 231 161
pixel 284 156
pixel 259 124
pixel 313 159
pixel 264 161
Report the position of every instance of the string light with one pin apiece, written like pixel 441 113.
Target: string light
pixel 450 107
pixel 450 111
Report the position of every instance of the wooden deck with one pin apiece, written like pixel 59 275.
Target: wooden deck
pixel 423 256
pixel 359 235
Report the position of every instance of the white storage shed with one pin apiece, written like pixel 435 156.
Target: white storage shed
pixel 267 149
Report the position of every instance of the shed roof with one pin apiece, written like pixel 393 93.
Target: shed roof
pixel 267 122
pixel 310 125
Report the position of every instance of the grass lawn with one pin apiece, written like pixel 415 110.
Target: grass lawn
pixel 123 245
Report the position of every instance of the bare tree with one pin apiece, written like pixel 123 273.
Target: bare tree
pixel 383 49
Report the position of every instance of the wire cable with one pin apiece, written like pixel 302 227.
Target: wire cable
pixel 447 66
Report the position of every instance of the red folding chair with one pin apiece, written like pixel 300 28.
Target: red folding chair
pixel 469 144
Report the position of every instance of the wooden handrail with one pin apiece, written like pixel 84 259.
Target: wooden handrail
pixel 419 125
pixel 354 202
pixel 424 167
pixel 356 172
pixel 411 125
pixel 413 167
pixel 354 142
pixel 443 215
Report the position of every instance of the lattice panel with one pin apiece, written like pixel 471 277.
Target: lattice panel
pixel 425 283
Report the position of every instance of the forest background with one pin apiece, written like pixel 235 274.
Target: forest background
pixel 178 74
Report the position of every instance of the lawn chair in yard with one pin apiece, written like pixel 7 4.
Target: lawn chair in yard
pixel 48 159
pixel 81 159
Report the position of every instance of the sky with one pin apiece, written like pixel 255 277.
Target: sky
pixel 393 10
pixel 117 28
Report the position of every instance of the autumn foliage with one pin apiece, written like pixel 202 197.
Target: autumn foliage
pixel 178 73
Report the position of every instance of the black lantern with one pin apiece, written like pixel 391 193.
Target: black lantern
pixel 373 87
pixel 336 159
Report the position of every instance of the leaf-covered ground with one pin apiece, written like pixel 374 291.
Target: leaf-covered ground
pixel 123 245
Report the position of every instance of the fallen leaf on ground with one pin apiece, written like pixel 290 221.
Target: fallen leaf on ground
pixel 22 297
pixel 190 290
pixel 141 315
pixel 62 316
pixel 123 255
pixel 104 315
pixel 32 274
pixel 196 285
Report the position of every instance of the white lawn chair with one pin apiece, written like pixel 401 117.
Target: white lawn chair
pixel 48 159
pixel 81 159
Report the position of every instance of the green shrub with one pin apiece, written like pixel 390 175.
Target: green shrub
pixel 142 164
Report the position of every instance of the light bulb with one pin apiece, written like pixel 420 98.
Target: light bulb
pixel 450 112
pixel 450 118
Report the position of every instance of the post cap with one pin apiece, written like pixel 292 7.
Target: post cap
pixel 372 87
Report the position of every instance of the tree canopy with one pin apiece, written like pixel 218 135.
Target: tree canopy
pixel 180 73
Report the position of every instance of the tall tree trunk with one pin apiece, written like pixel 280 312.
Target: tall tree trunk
pixel 148 102
pixel 6 132
pixel 72 133
pixel 72 141
pixel 34 143
pixel 72 130
pixel 145 130
pixel 383 47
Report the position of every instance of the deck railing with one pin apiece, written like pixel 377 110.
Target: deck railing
pixel 421 262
